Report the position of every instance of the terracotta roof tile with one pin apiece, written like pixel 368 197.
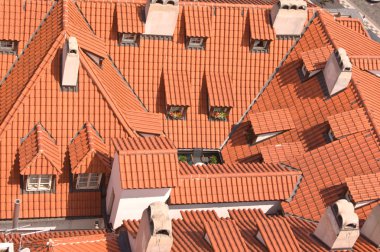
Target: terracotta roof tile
pixel 149 162
pixel 281 152
pixel 144 122
pixel 234 183
pixel 39 153
pixel 271 121
pixel 316 59
pixel 88 153
pixel 366 62
pixel 353 24
pixel 224 235
pixel 129 18
pixel 349 122
pixel 219 88
pixel 260 24
pixel 364 187
pixel 277 234
pixel 198 22
pixel 199 217
pixel 177 88
pixel 98 242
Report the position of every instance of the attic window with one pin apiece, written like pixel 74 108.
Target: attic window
pixel 176 112
pixel 8 46
pixel 219 113
pixel 39 183
pixel 128 39
pixel 259 45
pixel 95 58
pixel 196 43
pixel 88 180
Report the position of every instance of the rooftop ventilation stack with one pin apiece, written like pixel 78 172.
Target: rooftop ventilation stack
pixel 371 227
pixel 339 226
pixel 338 71
pixel 155 230
pixel 161 17
pixel 289 17
pixel 70 63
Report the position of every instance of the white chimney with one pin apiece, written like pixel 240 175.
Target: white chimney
pixel 155 230
pixel 338 71
pixel 70 63
pixel 371 227
pixel 289 17
pixel 339 226
pixel 161 17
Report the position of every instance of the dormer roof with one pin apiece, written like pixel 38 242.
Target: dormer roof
pixel 177 87
pixel 260 24
pixel 271 121
pixel 316 59
pixel 219 86
pixel 129 18
pixel 198 22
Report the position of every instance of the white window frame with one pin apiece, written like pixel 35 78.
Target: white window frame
pixel 38 184
pixel 8 46
pixel 196 42
pixel 331 136
pixel 86 178
pixel 128 39
pixel 260 45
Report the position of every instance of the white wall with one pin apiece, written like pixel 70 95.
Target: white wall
pixel 129 204
pixel 222 208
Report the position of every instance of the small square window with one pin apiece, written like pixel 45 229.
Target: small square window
pixel 196 42
pixel 259 45
pixel 177 112
pixel 39 183
pixel 129 39
pixel 88 180
pixel 8 46
pixel 219 113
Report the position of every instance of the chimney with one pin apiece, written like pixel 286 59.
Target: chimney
pixel 16 213
pixel 161 17
pixel 371 227
pixel 289 17
pixel 70 63
pixel 338 71
pixel 339 226
pixel 155 230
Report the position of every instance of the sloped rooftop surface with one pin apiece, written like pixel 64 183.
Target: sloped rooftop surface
pixel 364 187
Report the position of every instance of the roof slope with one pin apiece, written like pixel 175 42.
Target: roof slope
pixel 234 183
pixel 149 162
pixel 364 187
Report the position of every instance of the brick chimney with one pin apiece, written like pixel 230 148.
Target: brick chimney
pixel 371 227
pixel 339 226
pixel 70 63
pixel 289 17
pixel 155 230
pixel 338 71
pixel 161 17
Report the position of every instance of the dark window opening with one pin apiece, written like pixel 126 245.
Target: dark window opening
pixel 176 112
pixel 259 45
pixel 219 113
pixel 196 43
pixel 197 156
pixel 128 39
pixel 8 46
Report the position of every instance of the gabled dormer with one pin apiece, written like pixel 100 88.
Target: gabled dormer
pixel 314 61
pixel 161 17
pixel 129 24
pixel 198 27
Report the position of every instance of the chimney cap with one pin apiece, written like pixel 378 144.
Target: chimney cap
pixel 73 45
pixel 292 4
pixel 343 59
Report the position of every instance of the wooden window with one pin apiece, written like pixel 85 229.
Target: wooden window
pixel 88 180
pixel 177 112
pixel 259 45
pixel 39 183
pixel 129 39
pixel 8 46
pixel 196 43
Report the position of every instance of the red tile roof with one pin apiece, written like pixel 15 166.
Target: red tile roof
pixel 277 234
pixel 219 88
pixel 198 21
pixel 234 183
pixel 39 153
pixel 89 243
pixel 352 23
pixel 271 121
pixel 177 88
pixel 260 24
pixel 316 59
pixel 281 152
pixel 144 122
pixel 129 18
pixel 366 62
pixel 150 162
pixel 364 187
pixel 224 235
pixel 349 122
pixel 88 153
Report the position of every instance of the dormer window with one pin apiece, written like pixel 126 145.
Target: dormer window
pixel 196 43
pixel 259 45
pixel 128 39
pixel 8 46
pixel 39 183
pixel 88 181
pixel 219 113
pixel 176 112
